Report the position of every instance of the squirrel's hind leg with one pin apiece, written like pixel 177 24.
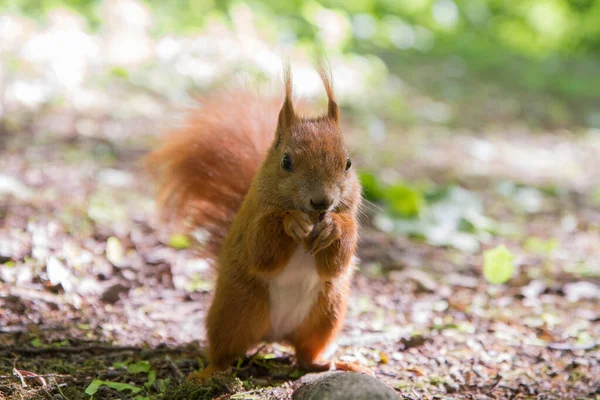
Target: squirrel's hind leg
pixel 321 327
pixel 234 323
pixel 201 376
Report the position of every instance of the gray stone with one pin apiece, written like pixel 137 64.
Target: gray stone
pixel 344 386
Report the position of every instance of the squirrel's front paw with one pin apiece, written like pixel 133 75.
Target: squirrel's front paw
pixel 325 233
pixel 298 225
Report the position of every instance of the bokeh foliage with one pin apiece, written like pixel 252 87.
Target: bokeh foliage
pixel 530 27
pixel 541 55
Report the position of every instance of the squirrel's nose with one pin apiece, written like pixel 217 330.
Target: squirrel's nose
pixel 321 204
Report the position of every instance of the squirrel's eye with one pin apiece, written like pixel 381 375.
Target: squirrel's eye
pixel 348 164
pixel 286 162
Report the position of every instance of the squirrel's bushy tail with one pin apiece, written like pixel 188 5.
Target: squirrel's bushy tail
pixel 205 169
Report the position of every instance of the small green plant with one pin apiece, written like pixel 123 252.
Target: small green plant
pixel 540 246
pixel 440 215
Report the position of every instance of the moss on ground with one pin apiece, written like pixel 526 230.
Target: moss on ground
pixel 212 388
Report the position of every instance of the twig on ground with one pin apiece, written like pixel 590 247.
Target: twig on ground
pixel 258 351
pixel 573 347
pixel 556 346
pixel 28 374
pixel 25 328
pixel 60 390
pixel 41 376
pixel 495 384
pixel 174 367
pixel 89 349
pixel 67 349
pixel 241 395
pixel 476 371
pixel 251 358
pixel 18 373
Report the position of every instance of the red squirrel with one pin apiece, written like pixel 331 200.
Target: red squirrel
pixel 280 197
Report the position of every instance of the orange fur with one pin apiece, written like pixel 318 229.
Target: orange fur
pixel 226 171
pixel 206 167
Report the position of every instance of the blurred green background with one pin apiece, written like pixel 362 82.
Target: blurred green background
pixel 490 61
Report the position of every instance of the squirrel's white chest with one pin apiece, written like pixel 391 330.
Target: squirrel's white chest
pixel 293 293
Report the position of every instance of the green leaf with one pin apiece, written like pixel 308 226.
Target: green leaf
pixel 96 383
pixel 163 384
pixel 404 200
pixel 151 379
pixel 36 342
pixel 62 343
pixel 498 265
pixel 372 190
pixel 179 241
pixel 120 364
pixel 540 246
pixel 142 366
pixel 93 387
pixel 119 72
pixel 122 386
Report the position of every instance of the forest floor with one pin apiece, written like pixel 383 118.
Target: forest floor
pixel 92 288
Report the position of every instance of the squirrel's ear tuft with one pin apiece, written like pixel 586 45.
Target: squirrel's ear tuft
pixel 287 115
pixel 325 73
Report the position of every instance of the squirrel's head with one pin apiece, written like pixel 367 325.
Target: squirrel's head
pixel 309 159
